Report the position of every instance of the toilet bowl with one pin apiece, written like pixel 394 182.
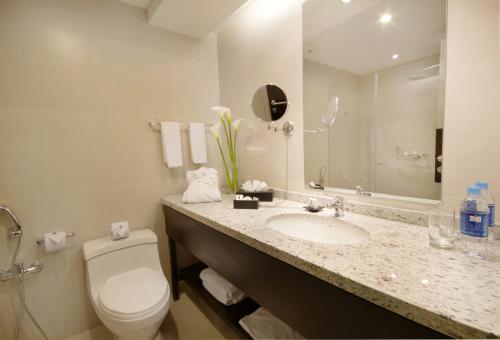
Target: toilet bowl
pixel 126 284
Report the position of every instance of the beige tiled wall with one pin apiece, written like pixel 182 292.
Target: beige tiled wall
pixel 407 115
pixel 258 46
pixel 337 149
pixel 79 80
pixel 472 117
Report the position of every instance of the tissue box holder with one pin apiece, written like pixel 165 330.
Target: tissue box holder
pixel 246 204
pixel 263 196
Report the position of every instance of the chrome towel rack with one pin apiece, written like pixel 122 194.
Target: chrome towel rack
pixel 184 126
pixel 414 155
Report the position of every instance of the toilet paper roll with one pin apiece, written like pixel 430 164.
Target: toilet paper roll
pixel 54 241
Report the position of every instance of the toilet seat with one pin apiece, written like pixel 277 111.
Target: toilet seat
pixel 134 295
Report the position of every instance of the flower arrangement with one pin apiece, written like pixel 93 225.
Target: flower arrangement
pixel 230 129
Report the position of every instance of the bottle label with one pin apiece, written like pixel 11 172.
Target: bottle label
pixel 474 224
pixel 491 217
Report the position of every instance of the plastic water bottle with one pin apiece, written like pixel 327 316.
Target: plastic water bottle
pixel 493 233
pixel 485 194
pixel 474 217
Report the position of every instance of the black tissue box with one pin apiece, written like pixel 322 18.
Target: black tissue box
pixel 263 196
pixel 243 204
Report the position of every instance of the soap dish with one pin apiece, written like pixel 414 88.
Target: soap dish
pixel 313 210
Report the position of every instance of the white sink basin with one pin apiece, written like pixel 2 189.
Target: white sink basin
pixel 319 229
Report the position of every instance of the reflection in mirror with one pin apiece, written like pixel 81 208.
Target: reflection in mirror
pixel 374 75
pixel 269 103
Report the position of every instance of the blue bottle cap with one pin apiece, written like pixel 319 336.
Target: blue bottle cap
pixel 482 185
pixel 474 191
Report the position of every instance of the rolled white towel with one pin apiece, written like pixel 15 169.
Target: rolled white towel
pixel 220 288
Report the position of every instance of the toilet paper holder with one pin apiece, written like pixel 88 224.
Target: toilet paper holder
pixel 40 241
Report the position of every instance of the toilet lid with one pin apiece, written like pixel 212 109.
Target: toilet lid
pixel 134 292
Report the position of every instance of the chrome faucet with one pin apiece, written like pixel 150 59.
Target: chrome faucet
pixel 322 180
pixel 362 192
pixel 17 226
pixel 337 205
pixel 322 177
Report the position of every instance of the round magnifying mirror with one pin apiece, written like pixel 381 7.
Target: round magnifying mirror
pixel 269 103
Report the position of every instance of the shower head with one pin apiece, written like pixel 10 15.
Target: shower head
pixel 17 226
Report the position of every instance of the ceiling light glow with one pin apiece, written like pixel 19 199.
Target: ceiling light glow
pixel 395 56
pixel 386 18
pixel 346 1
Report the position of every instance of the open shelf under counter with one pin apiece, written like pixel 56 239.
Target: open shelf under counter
pixel 230 315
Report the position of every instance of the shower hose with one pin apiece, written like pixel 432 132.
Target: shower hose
pixel 21 295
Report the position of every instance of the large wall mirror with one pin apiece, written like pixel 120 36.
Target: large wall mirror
pixel 374 78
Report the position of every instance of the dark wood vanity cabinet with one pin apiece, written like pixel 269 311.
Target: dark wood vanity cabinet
pixel 313 307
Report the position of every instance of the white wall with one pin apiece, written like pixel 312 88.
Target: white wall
pixel 260 45
pixel 472 119
pixel 79 80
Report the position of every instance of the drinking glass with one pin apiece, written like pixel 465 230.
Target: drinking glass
pixel 442 227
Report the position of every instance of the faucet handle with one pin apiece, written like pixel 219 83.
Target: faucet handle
pixel 338 205
pixel 341 202
pixel 338 201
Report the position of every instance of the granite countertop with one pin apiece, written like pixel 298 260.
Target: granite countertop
pixel 396 268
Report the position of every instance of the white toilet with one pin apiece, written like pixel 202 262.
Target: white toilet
pixel 126 284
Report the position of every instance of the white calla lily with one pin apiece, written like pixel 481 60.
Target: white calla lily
pixel 236 123
pixel 231 161
pixel 221 110
pixel 216 130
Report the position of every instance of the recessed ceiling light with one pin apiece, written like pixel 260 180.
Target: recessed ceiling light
pixel 385 18
pixel 346 1
pixel 395 56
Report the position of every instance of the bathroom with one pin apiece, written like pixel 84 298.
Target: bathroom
pixel 81 81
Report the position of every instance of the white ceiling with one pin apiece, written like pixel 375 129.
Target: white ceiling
pixel 194 18
pixel 350 37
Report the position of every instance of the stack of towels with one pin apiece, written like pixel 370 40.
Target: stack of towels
pixel 220 288
pixel 203 186
pixel 261 324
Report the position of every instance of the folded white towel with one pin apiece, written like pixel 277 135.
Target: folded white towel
pixel 171 143
pixel 198 143
pixel 203 186
pixel 261 324
pixel 220 288
pixel 54 241
pixel 254 185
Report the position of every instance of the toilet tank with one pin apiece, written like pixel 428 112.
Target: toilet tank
pixel 105 258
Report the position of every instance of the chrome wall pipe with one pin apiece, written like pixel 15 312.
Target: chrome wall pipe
pixel 18 230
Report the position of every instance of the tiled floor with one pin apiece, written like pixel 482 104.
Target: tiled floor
pixel 187 319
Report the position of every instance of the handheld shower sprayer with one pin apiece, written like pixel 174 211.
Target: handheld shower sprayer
pixel 18 230
pixel 17 271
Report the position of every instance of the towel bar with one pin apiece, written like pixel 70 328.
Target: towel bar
pixel 184 126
